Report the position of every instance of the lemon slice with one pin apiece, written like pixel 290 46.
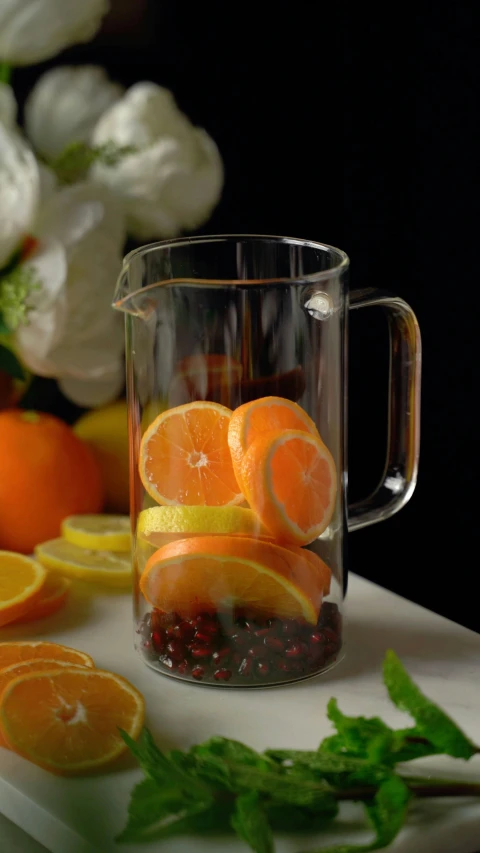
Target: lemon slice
pixel 106 567
pixel 98 532
pixel 160 525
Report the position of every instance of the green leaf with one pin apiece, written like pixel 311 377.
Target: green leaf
pixel 355 734
pixel 251 823
pixel 341 771
pixel 286 818
pixel 431 722
pixel 386 812
pixel 164 771
pixel 4 330
pixel 10 364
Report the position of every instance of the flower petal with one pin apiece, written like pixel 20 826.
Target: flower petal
pixel 19 191
pixel 34 30
pixel 94 392
pixel 72 213
pixel 65 105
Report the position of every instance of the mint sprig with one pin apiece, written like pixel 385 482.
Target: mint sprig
pixel 222 784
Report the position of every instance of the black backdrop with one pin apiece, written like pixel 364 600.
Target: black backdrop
pixel 358 130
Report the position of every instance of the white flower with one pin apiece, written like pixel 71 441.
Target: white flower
pixel 174 178
pixel 72 332
pixel 34 30
pixel 8 106
pixel 65 105
pixel 19 191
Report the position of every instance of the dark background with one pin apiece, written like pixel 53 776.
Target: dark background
pixel 360 130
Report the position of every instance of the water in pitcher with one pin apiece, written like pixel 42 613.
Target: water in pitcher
pixel 236 412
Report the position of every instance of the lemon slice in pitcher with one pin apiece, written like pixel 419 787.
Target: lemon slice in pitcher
pixel 160 525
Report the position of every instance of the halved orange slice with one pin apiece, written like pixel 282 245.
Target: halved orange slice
pixel 23 650
pixel 289 480
pixel 53 597
pixel 185 459
pixel 68 720
pixel 210 573
pixel 260 416
pixel 21 582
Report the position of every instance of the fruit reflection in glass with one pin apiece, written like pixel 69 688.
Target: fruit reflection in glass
pixel 236 394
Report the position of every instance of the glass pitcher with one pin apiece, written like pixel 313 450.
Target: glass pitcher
pixel 236 380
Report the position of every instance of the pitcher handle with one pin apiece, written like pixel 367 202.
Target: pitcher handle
pixel 400 475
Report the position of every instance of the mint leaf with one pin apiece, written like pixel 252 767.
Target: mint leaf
pixel 431 722
pixel 10 364
pixel 386 812
pixel 341 771
pixel 286 818
pixel 355 734
pixel 233 751
pixel 165 771
pixel 251 823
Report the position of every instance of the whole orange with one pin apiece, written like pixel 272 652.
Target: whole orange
pixel 46 473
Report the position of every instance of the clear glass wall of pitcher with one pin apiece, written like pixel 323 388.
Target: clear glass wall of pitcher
pixel 236 372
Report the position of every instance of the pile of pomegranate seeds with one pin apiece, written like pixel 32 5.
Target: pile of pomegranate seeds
pixel 216 649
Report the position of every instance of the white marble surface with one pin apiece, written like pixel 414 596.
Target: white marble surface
pixel 83 815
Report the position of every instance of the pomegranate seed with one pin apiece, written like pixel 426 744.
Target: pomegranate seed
pixel 245 667
pixel 236 658
pixel 166 660
pixel 163 620
pixel 207 623
pixel 147 644
pixel 258 651
pixel 182 667
pixel 275 645
pixel 222 674
pixel 317 638
pixel 330 650
pixel 289 627
pixel 295 666
pixel 296 650
pixel 184 631
pixel 262 669
pixel 199 652
pixel 244 625
pixel 198 672
pixel 202 637
pixel 240 640
pixel 222 654
pixel 176 650
pixel 283 666
pixel 316 658
pixel 262 632
pixel 273 623
pixel 158 640
pixel 330 635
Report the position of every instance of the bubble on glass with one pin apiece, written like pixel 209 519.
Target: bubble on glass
pixel 319 305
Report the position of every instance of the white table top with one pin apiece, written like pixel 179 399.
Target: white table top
pixel 83 815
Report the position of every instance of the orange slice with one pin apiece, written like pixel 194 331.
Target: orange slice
pixel 208 573
pixel 289 480
pixel 205 377
pixel 68 720
pixel 253 419
pixel 17 669
pixel 53 596
pixel 324 571
pixel 185 459
pixel 27 650
pixel 21 582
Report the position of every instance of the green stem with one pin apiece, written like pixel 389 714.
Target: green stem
pixel 420 788
pixel 5 72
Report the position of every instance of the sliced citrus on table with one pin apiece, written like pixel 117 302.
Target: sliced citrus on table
pixel 105 567
pixel 67 721
pixel 185 458
pixel 260 416
pixel 17 669
pixel 21 582
pixel 212 377
pixel 208 573
pixel 160 525
pixel 289 480
pixel 98 532
pixel 18 651
pixel 53 596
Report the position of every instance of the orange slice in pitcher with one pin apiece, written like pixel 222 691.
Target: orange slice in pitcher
pixel 289 480
pixel 267 414
pixel 208 573
pixel 185 458
pixel 68 720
